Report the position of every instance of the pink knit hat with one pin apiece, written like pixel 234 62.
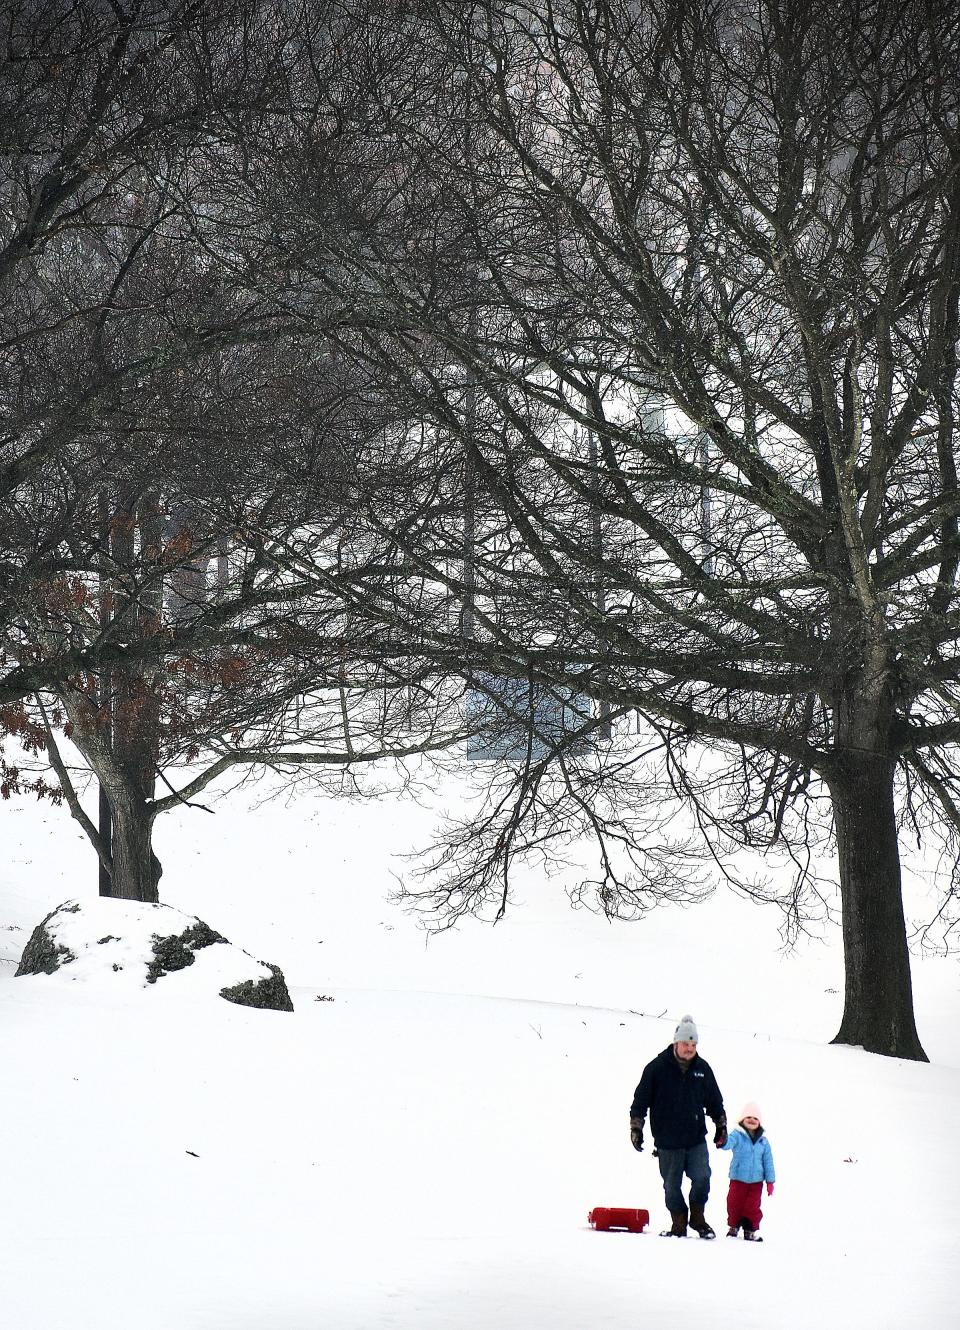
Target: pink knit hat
pixel 750 1110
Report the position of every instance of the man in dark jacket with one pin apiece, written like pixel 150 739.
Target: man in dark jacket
pixel 676 1088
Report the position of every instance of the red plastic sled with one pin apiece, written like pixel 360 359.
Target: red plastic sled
pixel 604 1218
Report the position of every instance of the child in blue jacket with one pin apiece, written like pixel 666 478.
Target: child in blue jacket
pixel 750 1167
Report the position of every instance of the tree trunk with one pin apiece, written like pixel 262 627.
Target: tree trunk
pixel 105 828
pixel 104 685
pixel 878 995
pixel 136 716
pixel 136 869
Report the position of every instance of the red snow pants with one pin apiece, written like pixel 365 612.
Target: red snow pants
pixel 743 1204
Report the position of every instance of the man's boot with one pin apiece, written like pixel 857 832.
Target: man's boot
pixel 679 1228
pixel 699 1224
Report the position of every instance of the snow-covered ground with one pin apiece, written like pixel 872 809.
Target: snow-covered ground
pixel 421 1152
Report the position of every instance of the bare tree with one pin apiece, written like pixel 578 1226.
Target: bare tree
pixel 173 395
pixel 748 216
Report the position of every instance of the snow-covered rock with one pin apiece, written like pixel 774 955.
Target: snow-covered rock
pixel 131 942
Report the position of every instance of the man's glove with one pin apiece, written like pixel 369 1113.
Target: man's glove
pixel 720 1136
pixel 636 1133
pixel 769 1188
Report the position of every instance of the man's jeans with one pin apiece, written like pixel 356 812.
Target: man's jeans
pixel 696 1164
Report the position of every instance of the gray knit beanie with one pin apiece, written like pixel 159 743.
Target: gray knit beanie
pixel 686 1032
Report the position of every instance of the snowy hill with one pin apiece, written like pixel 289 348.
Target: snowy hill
pixel 421 1152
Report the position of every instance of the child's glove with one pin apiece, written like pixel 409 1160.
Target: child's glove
pixel 720 1136
pixel 769 1188
pixel 636 1133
